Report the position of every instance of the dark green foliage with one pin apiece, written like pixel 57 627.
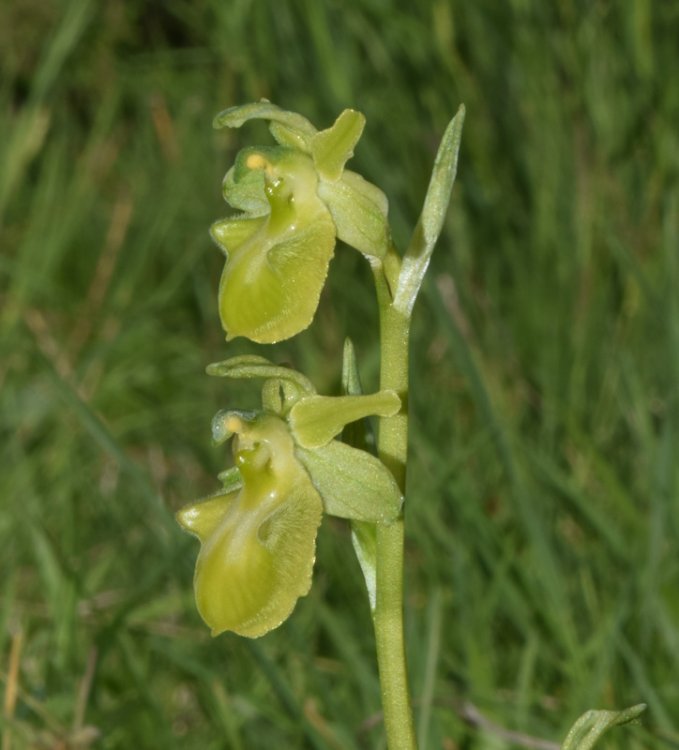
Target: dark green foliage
pixel 543 507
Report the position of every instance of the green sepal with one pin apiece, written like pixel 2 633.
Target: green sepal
pixel 591 725
pixel 352 483
pixel 332 148
pixel 417 257
pixel 316 420
pixel 292 128
pixel 359 210
pixel 249 366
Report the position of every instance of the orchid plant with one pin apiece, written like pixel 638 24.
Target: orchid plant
pixel 294 459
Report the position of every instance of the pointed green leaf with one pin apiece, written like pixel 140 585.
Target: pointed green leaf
pixel 364 541
pixel 332 148
pixel 417 257
pixel 359 210
pixel 316 420
pixel 352 483
pixel 252 366
pixel 351 381
pixel 588 729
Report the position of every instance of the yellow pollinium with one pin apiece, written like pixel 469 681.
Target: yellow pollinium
pixel 233 423
pixel 258 161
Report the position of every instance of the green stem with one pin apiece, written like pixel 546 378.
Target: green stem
pixel 393 448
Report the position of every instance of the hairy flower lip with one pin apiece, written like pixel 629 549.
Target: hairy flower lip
pixel 258 541
pixel 278 251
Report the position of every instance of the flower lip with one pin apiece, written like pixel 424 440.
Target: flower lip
pixel 278 250
pixel 257 541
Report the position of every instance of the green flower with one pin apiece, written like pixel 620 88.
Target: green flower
pixel 258 534
pixel 296 199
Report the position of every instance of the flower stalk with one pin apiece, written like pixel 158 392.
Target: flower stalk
pixel 392 446
pixel 291 465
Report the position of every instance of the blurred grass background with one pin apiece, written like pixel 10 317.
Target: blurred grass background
pixel 543 509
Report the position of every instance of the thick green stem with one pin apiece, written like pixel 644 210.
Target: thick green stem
pixel 393 448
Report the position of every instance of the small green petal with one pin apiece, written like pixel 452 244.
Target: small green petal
pixel 316 420
pixel 332 148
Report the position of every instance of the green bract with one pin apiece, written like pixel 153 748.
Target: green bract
pixel 258 534
pixel 296 199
